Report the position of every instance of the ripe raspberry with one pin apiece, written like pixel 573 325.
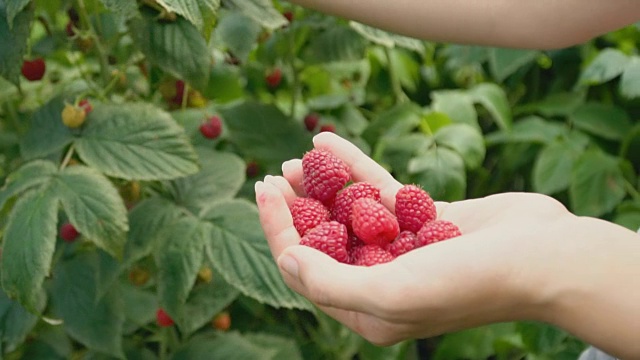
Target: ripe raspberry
pixel 323 175
pixel 373 222
pixel 308 213
pixel 33 70
pixel 212 128
pixel 404 243
pixel 328 128
pixel 252 169
pixel 68 232
pixel 179 92
pixel 69 29
pixel 163 319
pixel 85 105
pixel 435 231
pixel 370 255
pixel 273 78
pixel 288 15
pixel 222 321
pixel 354 242
pixel 342 205
pixel 329 237
pixel 311 121
pixel 414 207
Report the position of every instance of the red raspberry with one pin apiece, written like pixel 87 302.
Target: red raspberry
pixel 311 121
pixel 414 207
pixel 435 231
pixel 370 255
pixel 323 175
pixel 252 169
pixel 179 96
pixel 33 70
pixel 328 128
pixel 288 15
pixel 86 106
pixel 273 78
pixel 342 205
pixel 308 213
pixel 212 128
pixel 69 29
pixel 68 232
pixel 329 237
pixel 373 222
pixel 163 319
pixel 404 243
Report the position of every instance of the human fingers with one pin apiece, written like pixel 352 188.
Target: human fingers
pixel 275 218
pixel 284 186
pixel 292 171
pixel 362 167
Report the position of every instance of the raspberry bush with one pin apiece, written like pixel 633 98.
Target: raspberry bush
pixel 132 131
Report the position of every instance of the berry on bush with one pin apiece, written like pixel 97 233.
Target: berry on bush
pixel 163 319
pixel 139 276
pixel 205 274
pixel 33 70
pixel 373 222
pixel 307 213
pixel 73 116
pixel 414 207
pixel 311 121
pixel 274 78
pixel 212 128
pixel 85 105
pixel 329 237
pixel 68 232
pixel 328 128
pixel 252 170
pixel 323 175
pixel 222 321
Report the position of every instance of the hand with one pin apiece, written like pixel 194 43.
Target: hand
pixel 484 276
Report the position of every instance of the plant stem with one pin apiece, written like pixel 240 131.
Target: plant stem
pixel 67 157
pixel 163 343
pixel 102 55
pixel 635 194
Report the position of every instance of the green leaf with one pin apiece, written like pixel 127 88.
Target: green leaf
pixel 14 32
pixel 541 338
pixel 553 166
pixel 261 11
pixel 47 134
pixel 473 344
pixel 136 141
pixel 126 8
pixel 223 346
pixel 179 256
pixel 238 251
pixel 558 104
pixel 195 11
pixel 141 304
pixel 16 322
pixel 504 62
pixel 285 348
pixel 336 44
pixel 224 84
pixel 531 129
pixel 607 121
pixel 630 80
pixel 628 215
pixel 597 184
pixel 221 176
pixel 384 38
pixel 205 301
pixel 176 47
pixel 94 207
pixel 265 134
pixel 29 243
pixel 440 171
pixel 400 119
pixel 465 140
pixel 95 324
pixel 607 65
pixel 238 33
pixel 14 7
pixel 493 98
pixel 32 174
pixel 369 351
pixel 457 105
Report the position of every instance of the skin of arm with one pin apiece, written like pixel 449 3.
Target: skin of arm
pixel 542 24
pixel 521 257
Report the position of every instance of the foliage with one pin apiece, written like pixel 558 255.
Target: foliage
pixel 160 207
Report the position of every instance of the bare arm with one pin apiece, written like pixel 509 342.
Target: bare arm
pixel 541 24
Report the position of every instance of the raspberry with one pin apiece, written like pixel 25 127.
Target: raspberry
pixel 33 70
pixel 342 205
pixel 205 274
pixel 311 121
pixel 86 106
pixel 330 238
pixel 308 213
pixel 288 15
pixel 222 321
pixel 252 169
pixel 370 255
pixel 68 232
pixel 414 207
pixel 404 243
pixel 212 128
pixel 73 116
pixel 323 175
pixel 373 222
pixel 163 319
pixel 435 231
pixel 273 78
pixel 328 128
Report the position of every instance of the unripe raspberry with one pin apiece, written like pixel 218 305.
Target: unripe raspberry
pixel 73 116
pixel 222 321
pixel 205 274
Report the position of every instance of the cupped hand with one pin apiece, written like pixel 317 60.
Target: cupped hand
pixel 481 277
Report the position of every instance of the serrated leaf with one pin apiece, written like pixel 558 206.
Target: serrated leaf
pixel 597 184
pixel 262 11
pixel 177 47
pixel 136 141
pixel 473 344
pixel 336 44
pixel 205 301
pixel 238 33
pixel 179 256
pixel 457 105
pixel 141 304
pixel 399 120
pixel 630 80
pixel 285 348
pixel 221 176
pixel 30 175
pixel 386 38
pixel 47 134
pixel 126 8
pixel 440 171
pixel 259 129
pixel 95 324
pixel 465 140
pixel 16 322
pixel 530 129
pixel 230 345
pixel 94 207
pixel 14 7
pixel 239 253
pixel 494 99
pixel 195 11
pixel 28 246
pixel 503 62
pixel 540 338
pixel 603 120
pixel 558 104
pixel 553 166
pixel 14 33
pixel 609 64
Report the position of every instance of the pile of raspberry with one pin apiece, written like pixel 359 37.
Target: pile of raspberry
pixel 347 221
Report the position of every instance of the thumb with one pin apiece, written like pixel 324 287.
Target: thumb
pixel 327 282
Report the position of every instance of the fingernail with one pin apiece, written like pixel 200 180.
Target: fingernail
pixel 289 265
pixel 258 187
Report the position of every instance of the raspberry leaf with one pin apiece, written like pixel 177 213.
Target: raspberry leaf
pixel 261 11
pixel 223 346
pixel 16 322
pixel 238 251
pixel 200 13
pixel 13 8
pixel 135 141
pixel 494 99
pixel 30 175
pixel 47 135
pixel 464 139
pixel 441 172
pixel 14 32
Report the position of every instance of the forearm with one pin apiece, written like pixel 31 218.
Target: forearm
pixel 593 283
pixel 504 23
